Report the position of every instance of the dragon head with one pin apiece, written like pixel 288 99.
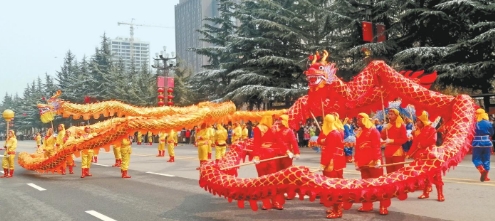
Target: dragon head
pixel 320 72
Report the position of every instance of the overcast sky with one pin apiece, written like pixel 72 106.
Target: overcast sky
pixel 35 35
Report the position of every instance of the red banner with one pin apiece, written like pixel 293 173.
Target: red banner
pixel 170 82
pixel 160 81
pixel 380 32
pixel 367 31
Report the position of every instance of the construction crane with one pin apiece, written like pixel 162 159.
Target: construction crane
pixel 131 40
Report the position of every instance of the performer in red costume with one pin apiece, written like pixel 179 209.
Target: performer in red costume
pixel 286 137
pixel 367 158
pixel 427 137
pixel 333 160
pixel 394 135
pixel 263 141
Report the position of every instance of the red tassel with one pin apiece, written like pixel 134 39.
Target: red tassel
pixel 240 204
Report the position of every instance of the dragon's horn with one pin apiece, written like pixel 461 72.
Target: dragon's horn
pixel 325 56
pixel 315 58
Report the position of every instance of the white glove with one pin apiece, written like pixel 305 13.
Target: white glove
pixel 290 154
pixel 256 160
pixel 297 156
pixel 378 164
pixel 389 140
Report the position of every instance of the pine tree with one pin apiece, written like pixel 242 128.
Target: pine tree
pixel 470 61
pixel 210 84
pixel 183 95
pixel 50 88
pixel 65 75
pixel 100 65
pixel 269 50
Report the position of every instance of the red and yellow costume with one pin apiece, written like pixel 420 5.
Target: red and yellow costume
pixel 171 144
pixel 236 133
pixel 96 151
pixel 38 140
pixel 162 136
pixel 264 147
pixel 69 161
pixel 287 139
pixel 150 138
pixel 126 150
pixel 395 135
pixel 49 143
pixel 9 155
pixel 426 137
pixel 245 132
pixel 333 160
pixel 211 143
pixel 367 158
pixel 139 138
pixel 220 142
pixel 59 143
pixel 118 155
pixel 202 143
pixel 86 155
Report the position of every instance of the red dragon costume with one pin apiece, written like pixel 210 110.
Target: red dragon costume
pixel 362 94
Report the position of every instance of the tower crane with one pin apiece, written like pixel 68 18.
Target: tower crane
pixel 131 40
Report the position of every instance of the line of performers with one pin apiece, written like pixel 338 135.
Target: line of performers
pixel 216 136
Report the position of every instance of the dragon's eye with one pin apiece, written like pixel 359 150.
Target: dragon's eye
pixel 321 67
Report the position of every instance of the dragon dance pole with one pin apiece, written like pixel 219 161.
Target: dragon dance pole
pixel 383 109
pixel 317 124
pixel 8 115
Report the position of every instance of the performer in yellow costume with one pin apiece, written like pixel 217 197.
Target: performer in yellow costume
pixel 69 161
pixel 212 132
pixel 38 140
pixel 245 132
pixel 139 138
pixel 118 155
pixel 237 133
pixel 9 155
pixel 162 136
pixel 86 155
pixel 96 151
pixel 220 142
pixel 171 144
pixel 150 138
pixel 49 144
pixel 126 151
pixel 202 143
pixel 59 143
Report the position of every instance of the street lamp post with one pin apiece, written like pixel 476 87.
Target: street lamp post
pixel 163 80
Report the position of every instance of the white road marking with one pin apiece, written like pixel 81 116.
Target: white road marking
pixel 1 155
pixel 36 186
pixel 1 171
pixel 103 165
pixel 161 174
pixel 99 215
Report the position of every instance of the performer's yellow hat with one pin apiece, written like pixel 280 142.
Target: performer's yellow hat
pixel 424 118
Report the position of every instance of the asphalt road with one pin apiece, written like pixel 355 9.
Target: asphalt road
pixel 169 191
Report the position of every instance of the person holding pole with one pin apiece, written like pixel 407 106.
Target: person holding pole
pixel 220 142
pixel 162 136
pixel 126 151
pixel 426 137
pixel 86 155
pixel 171 144
pixel 202 142
pixel 367 158
pixel 9 154
pixel 394 135
pixel 332 161
pixel 263 148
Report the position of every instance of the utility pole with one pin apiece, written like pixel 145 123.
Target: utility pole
pixel 165 78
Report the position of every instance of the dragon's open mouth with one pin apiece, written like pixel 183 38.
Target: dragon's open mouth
pixel 314 80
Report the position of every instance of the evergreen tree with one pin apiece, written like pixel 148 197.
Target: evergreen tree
pixel 50 88
pixel 210 84
pixel 269 51
pixel 183 95
pixel 100 65
pixel 470 61
pixel 65 75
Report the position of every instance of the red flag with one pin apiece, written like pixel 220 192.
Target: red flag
pixel 367 31
pixel 380 32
